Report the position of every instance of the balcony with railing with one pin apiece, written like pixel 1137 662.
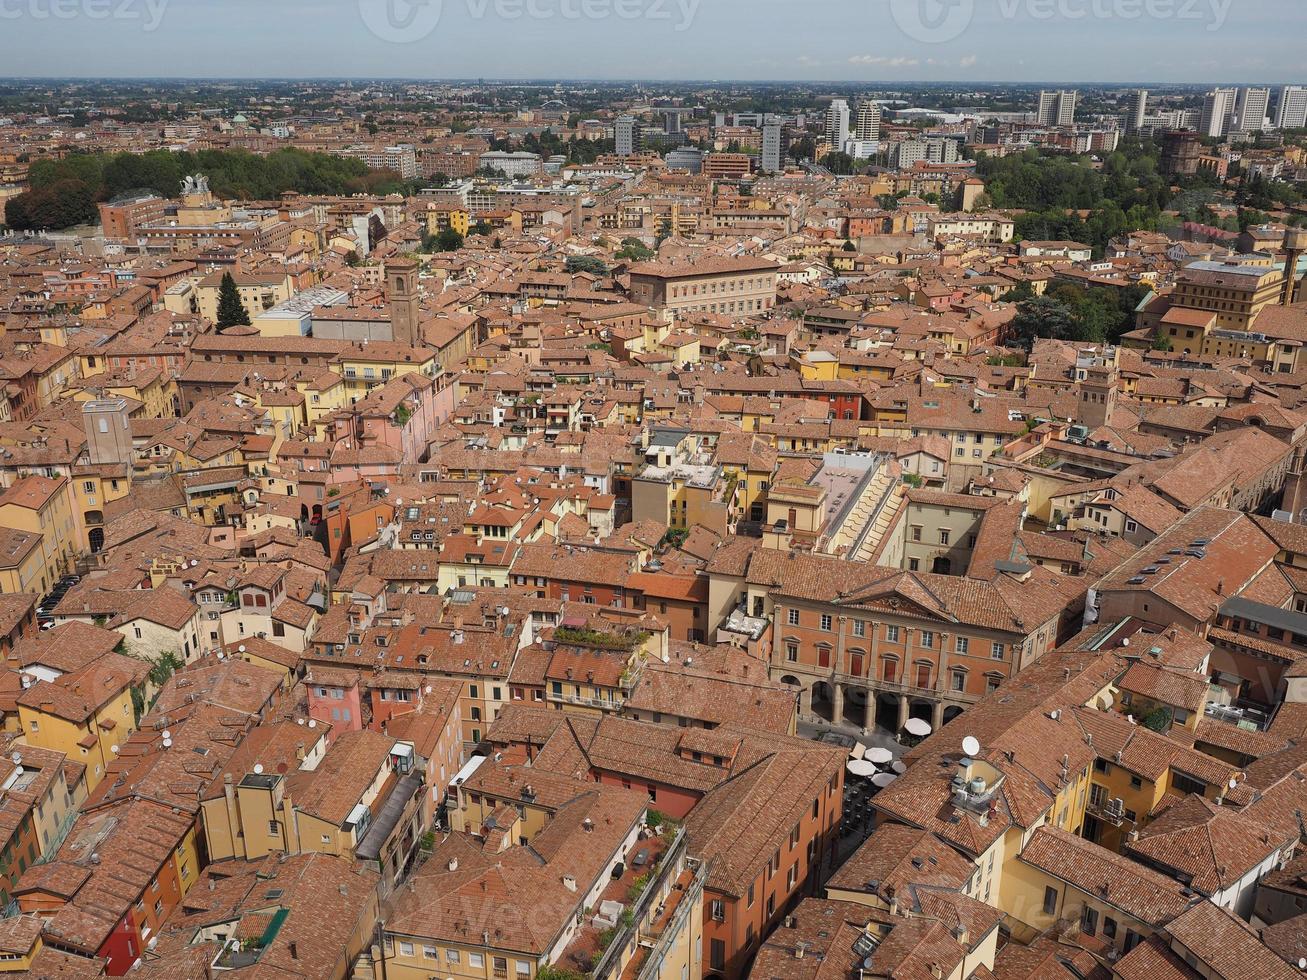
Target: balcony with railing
pixel 639 913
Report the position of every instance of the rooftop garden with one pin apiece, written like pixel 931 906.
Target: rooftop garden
pixel 584 636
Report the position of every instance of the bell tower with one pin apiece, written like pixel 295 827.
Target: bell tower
pixel 405 305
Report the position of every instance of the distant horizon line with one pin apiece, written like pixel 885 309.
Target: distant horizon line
pixel 555 80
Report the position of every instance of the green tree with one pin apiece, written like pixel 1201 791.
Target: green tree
pixel 167 665
pixel 586 263
pixel 62 204
pixel 1019 293
pixel 635 250
pixel 447 240
pixel 1043 317
pixel 231 311
pixel 838 163
pixel 1159 719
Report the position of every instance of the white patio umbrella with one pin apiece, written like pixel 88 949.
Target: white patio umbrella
pixel 879 756
pixel 861 767
pixel 883 779
pixel 916 726
pixel 899 768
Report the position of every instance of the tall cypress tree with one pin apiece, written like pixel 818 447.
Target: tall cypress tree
pixel 231 311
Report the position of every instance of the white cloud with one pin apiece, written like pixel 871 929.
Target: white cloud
pixel 969 61
pixel 881 61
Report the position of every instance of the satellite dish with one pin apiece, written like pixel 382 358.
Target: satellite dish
pixel 313 723
pixel 167 743
pixel 299 721
pixel 194 563
pixel 16 759
pixel 1233 782
pixel 114 749
pixel 258 768
pixel 241 648
pixel 429 688
pixel 167 734
pixel 971 746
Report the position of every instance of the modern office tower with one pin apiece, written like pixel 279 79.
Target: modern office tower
pixel 1057 108
pixel 686 158
pixel 626 132
pixel 1138 111
pixel 672 116
pixel 773 145
pixel 1251 110
pixel 1291 109
pixel 837 124
pixel 1218 112
pixel 867 127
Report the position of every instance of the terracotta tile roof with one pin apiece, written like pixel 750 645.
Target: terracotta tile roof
pixel 900 857
pixel 1233 738
pixel 1110 878
pixel 1287 939
pixel 1236 551
pixel 351 764
pixel 106 863
pixel 1226 946
pixel 77 695
pixel 1172 687
pixel 738 824
pixel 1208 846
pixel 1153 959
pixel 518 895
pixel 738 693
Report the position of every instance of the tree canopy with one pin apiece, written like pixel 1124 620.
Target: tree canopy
pixel 635 250
pixel 446 240
pixel 60 204
pixel 64 191
pixel 231 311
pixel 1127 193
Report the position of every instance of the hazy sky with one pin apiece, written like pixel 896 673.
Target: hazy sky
pixel 1201 41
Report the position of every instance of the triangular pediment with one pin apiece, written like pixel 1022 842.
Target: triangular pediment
pixel 903 594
